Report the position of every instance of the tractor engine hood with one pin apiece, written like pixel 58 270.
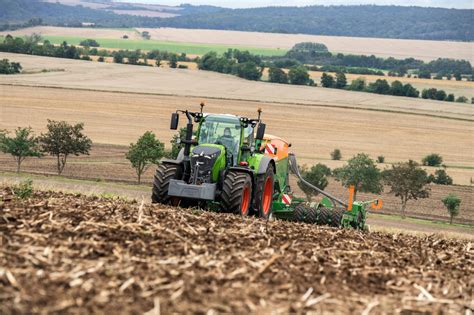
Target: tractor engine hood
pixel 206 162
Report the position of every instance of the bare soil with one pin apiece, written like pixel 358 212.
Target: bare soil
pixel 69 253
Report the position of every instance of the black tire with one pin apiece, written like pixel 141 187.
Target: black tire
pixel 234 197
pixel 299 215
pixel 312 215
pixel 331 217
pixel 164 173
pixel 259 200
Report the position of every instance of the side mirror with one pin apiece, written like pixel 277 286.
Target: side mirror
pixel 260 131
pixel 174 121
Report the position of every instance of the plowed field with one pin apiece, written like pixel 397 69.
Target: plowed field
pixel 73 254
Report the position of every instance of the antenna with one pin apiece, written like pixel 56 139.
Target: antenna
pixel 259 111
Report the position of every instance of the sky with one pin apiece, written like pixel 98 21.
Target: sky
pixel 458 4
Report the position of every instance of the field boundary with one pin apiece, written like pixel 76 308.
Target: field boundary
pixel 246 100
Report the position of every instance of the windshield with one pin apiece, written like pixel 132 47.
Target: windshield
pixel 222 130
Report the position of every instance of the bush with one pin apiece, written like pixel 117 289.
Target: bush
pixel 277 75
pixel 452 203
pixel 89 43
pixel 433 159
pixel 7 67
pixel 183 67
pixel 381 159
pixel 298 75
pixel 358 84
pixel 101 59
pixel 23 190
pixel 336 155
pixel 440 177
pixel 461 99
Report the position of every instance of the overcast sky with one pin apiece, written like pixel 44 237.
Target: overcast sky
pixel 460 4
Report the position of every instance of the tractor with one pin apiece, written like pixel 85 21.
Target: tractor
pixel 229 164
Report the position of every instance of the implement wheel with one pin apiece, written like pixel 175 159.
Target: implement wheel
pixel 264 193
pixel 331 217
pixel 237 193
pixel 164 173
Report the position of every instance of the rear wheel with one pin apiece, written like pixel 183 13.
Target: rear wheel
pixel 264 193
pixel 161 182
pixel 237 193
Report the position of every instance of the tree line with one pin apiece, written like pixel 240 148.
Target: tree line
pixel 357 21
pixel 32 45
pixel 318 54
pixel 7 67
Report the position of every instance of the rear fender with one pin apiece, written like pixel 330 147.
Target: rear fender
pixel 265 162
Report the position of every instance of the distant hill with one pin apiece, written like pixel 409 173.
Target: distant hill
pixel 356 21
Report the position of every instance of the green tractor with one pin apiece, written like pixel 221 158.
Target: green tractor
pixel 230 165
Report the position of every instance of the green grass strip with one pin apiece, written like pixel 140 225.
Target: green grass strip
pixel 174 47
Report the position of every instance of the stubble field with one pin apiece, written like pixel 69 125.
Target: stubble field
pixel 398 48
pixel 74 254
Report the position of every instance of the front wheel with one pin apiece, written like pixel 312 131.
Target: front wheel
pixel 237 193
pixel 264 193
pixel 161 182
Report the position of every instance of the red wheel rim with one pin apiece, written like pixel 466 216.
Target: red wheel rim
pixel 244 207
pixel 267 195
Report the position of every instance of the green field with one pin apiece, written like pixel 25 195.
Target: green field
pixel 175 47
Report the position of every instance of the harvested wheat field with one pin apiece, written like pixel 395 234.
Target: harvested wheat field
pixel 70 254
pixel 382 47
pixel 398 48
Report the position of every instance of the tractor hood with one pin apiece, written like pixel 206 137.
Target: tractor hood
pixel 206 162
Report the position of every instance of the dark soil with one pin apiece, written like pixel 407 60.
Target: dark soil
pixel 74 254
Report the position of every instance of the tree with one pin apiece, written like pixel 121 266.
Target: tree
pixel 118 56
pixel 23 145
pixel 146 151
pixel 327 80
pixel 317 176
pixel 408 181
pixel 452 203
pixel 173 61
pixel 458 76
pixel 432 159
pixel 397 89
pixel 440 177
pixel 7 67
pixel 429 93
pixel 176 143
pixel 461 99
pixel 424 74
pixel 298 75
pixel 410 91
pixel 450 97
pixel 357 84
pixel 361 172
pixel 276 75
pixel 380 159
pixel 249 70
pixel 341 80
pixel 440 95
pixel 380 86
pixel 336 155
pixel 89 43
pixel 63 140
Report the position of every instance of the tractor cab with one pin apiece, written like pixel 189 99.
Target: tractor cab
pixel 222 130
